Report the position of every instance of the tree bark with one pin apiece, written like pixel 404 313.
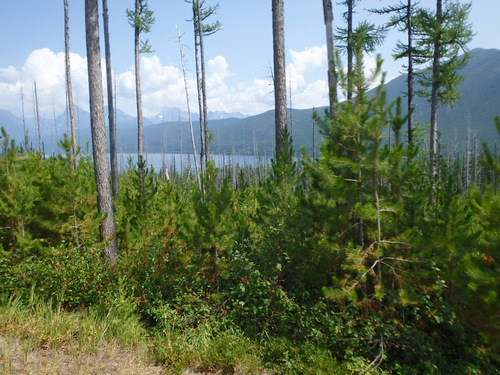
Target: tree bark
pixel 203 83
pixel 434 93
pixel 350 56
pixel 279 74
pixel 140 149
pixel 98 127
pixel 410 73
pixel 39 130
pixel 69 87
pixel 111 111
pixel 332 80
pixel 189 111
pixel 196 22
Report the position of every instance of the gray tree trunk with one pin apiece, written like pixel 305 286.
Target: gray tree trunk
pixel 101 168
pixel 25 134
pixel 39 130
pixel 203 83
pixel 410 72
pixel 111 111
pixel 140 149
pixel 332 80
pixel 279 74
pixel 189 111
pixel 433 146
pixel 350 56
pixel 196 24
pixel 69 87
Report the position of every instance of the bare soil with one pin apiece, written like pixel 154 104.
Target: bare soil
pixel 17 357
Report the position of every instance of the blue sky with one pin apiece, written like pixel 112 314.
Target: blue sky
pixel 239 56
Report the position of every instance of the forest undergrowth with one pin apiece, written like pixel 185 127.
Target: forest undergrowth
pixel 359 261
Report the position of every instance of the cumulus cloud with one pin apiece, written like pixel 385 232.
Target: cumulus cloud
pixel 308 92
pixel 47 69
pixel 163 85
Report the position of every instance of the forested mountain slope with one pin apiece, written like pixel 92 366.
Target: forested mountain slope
pixel 255 134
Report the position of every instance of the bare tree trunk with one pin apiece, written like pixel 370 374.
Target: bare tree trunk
pixel 410 73
pixel 69 88
pixel 39 130
pixel 314 138
pixel 101 169
pixel 189 112
pixel 140 150
pixel 433 146
pixel 332 80
pixel 111 112
pixel 350 9
pixel 203 84
pixel 197 32
pixel 25 134
pixel 279 74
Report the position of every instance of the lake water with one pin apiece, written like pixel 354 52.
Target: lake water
pixel 181 162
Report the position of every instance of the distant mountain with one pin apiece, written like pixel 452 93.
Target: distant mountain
pixel 176 114
pixel 473 116
pixel 12 124
pixel 235 133
pixel 475 111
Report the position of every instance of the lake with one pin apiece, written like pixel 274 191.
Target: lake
pixel 181 162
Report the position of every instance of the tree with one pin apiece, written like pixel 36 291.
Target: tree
pixel 200 14
pixel 402 18
pixel 99 148
pixel 348 42
pixel 441 36
pixel 141 20
pixel 111 112
pixel 332 81
pixel 37 117
pixel 367 34
pixel 68 83
pixel 188 109
pixel 435 85
pixel 279 76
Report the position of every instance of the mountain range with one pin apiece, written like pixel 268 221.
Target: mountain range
pixel 471 118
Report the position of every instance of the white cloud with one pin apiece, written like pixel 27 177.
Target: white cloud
pixel 308 92
pixel 48 70
pixel 310 58
pixel 162 85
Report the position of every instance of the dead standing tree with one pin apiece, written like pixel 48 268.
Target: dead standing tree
pixel 98 127
pixel 141 20
pixel 279 76
pixel 200 14
pixel 332 80
pixel 111 113
pixel 69 89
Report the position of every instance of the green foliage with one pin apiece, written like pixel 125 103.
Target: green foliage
pixel 206 348
pixel 334 265
pixel 453 34
pixel 141 20
pixel 204 14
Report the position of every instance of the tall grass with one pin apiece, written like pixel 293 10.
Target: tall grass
pixel 45 324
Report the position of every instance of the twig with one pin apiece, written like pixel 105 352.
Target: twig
pixel 380 260
pixel 377 361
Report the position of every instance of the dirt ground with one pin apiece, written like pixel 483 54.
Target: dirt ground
pixel 17 357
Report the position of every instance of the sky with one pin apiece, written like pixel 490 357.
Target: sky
pixel 238 57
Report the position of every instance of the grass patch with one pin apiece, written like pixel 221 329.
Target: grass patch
pixel 47 324
pixel 207 349
pixel 40 337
